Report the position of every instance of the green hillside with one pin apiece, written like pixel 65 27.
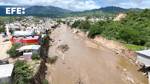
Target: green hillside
pixel 134 29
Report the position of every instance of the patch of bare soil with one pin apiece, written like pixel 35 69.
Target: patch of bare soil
pixel 91 44
pixel 117 47
pixel 4 46
pixel 130 72
pixel 120 17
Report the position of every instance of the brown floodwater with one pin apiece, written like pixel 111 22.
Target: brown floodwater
pixel 85 62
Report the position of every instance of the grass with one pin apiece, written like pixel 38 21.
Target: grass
pixel 134 47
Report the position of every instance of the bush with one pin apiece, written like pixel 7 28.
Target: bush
pixel 22 73
pixel 12 51
pixel 95 30
pixel 147 44
pixel 35 56
pixel 2 29
pixel 84 25
pixel 76 24
pixel 45 82
pixel 52 60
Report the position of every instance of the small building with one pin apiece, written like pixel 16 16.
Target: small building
pixel 143 57
pixel 23 33
pixel 29 50
pixel 6 73
pixel 25 37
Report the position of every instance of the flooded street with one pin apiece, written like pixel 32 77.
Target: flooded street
pixel 85 62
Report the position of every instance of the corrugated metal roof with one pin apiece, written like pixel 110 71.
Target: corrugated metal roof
pixel 6 70
pixel 144 52
pixel 144 57
pixel 144 60
pixel 23 33
pixel 29 47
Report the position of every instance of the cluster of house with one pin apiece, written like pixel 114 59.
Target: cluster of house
pixel 30 38
pixel 83 18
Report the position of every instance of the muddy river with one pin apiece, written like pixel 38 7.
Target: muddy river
pixel 85 62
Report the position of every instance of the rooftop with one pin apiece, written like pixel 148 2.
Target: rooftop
pixel 23 33
pixel 144 52
pixel 6 70
pixel 29 47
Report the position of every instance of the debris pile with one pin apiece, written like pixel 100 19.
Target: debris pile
pixel 63 48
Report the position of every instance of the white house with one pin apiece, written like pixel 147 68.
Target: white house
pixel 143 57
pixel 23 33
pixel 28 50
pixel 6 73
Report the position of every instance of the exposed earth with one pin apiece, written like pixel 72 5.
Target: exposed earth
pixel 4 46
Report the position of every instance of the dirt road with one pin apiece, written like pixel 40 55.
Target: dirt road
pixel 4 46
pixel 85 62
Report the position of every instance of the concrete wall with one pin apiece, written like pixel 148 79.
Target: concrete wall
pixel 6 80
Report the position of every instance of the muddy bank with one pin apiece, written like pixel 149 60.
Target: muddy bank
pixel 115 46
pixel 40 74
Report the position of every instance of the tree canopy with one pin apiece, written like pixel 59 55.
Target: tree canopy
pixel 134 29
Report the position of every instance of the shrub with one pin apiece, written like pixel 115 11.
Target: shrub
pixel 147 44
pixel 76 24
pixel 2 29
pixel 84 25
pixel 12 51
pixel 52 60
pixel 22 73
pixel 95 30
pixel 35 56
pixel 45 81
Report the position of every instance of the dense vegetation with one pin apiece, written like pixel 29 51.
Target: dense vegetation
pixel 134 29
pixel 12 51
pixel 22 73
pixel 35 56
pixel 2 29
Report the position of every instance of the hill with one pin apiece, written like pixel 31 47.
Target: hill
pixel 104 11
pixel 49 11
pixel 134 28
pixel 113 9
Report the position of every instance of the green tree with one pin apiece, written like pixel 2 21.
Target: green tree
pixel 22 73
pixel 76 24
pixel 12 51
pixel 94 30
pixel 85 25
